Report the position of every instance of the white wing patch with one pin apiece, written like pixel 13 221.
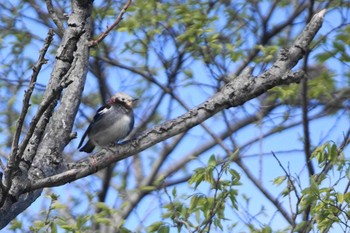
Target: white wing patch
pixel 103 111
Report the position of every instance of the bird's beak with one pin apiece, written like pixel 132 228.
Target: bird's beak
pixel 131 103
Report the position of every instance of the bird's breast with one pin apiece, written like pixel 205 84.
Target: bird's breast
pixel 113 129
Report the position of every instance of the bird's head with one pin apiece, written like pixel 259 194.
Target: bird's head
pixel 122 99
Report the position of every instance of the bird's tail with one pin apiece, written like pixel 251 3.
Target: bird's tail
pixel 88 147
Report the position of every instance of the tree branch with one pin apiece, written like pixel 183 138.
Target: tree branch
pixel 54 17
pixel 71 60
pixel 15 155
pixel 235 93
pixel 109 29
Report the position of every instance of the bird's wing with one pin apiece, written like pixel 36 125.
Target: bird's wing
pixel 83 137
pixel 132 121
pixel 97 117
pixel 99 113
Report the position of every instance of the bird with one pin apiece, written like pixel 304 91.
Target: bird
pixel 111 123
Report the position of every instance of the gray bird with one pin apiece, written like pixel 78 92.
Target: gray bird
pixel 112 122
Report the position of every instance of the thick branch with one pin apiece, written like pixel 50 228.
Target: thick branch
pixel 45 149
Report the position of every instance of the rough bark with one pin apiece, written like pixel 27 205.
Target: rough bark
pixel 52 132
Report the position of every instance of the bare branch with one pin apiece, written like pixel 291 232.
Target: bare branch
pixel 54 16
pixel 36 69
pixel 15 154
pixel 109 29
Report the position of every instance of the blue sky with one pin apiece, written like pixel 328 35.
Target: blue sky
pixel 288 140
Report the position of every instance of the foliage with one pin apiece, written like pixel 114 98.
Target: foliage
pixel 217 177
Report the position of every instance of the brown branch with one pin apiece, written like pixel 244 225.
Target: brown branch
pixel 110 28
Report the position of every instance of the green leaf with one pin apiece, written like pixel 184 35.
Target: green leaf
pixel 217 223
pixel 300 227
pixel 124 230
pixel 68 227
pixel 82 220
pixel 197 177
pixel 39 224
pixel 53 196
pixel 233 198
pixel 103 220
pixel 266 229
pixel 154 227
pixel 53 227
pixel 164 229
pixel 279 180
pixel 323 57
pixel 103 206
pixel 340 198
pixel 15 224
pixel 209 177
pixel 212 161
pixel 174 192
pixel 148 188
pixel 333 152
pixel 347 197
pixel 339 46
pixel 194 202
pixel 198 216
pixel 57 206
pixel 235 176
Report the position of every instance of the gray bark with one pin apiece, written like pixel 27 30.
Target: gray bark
pixel 43 154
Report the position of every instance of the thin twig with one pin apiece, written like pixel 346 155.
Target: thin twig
pixel 36 69
pixel 288 176
pixel 54 16
pixel 14 156
pixel 329 166
pixel 109 29
pixel 306 122
pixel 266 193
pixel 13 163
